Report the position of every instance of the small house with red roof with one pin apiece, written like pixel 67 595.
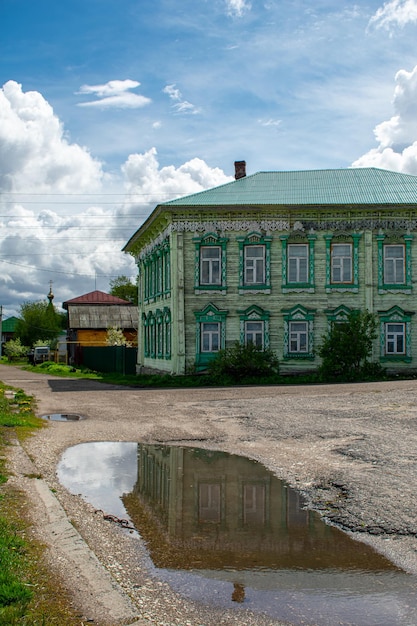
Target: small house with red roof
pixel 92 314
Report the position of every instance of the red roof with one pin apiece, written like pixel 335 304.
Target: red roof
pixel 96 297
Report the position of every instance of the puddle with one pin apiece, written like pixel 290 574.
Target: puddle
pixel 222 529
pixel 63 417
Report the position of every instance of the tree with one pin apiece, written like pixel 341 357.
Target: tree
pixel 122 287
pixel 115 337
pixel 39 320
pixel 346 350
pixel 13 349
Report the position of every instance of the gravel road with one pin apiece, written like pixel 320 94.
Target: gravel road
pixel 351 449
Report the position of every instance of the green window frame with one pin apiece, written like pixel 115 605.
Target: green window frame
pixel 157 334
pixel 157 273
pixel 254 263
pixel 291 261
pixel 337 260
pixel 394 269
pixel 210 322
pixel 298 333
pixel 207 276
pixel 254 322
pixel 395 335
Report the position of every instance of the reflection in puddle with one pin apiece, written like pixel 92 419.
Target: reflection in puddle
pixel 63 417
pixel 221 528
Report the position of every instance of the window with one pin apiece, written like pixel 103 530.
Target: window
pixel 254 504
pixel 254 333
pixel 209 503
pixel 297 263
pixel 394 264
pixel 298 337
pixel 298 332
pixel 210 265
pixel 210 336
pixel 254 265
pixel 341 256
pixel 395 338
pixel 156 272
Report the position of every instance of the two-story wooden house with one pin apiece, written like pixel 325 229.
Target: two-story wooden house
pixel 274 258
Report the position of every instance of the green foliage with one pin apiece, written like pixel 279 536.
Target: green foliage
pixel 122 287
pixel 115 337
pixel 39 321
pixel 14 349
pixel 243 362
pixel 346 350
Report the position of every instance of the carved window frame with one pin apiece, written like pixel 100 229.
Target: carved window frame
pixel 254 313
pixel 207 240
pixel 255 239
pixel 343 238
pixel 394 239
pixel 210 314
pixel 298 238
pixel 299 313
pixel 395 315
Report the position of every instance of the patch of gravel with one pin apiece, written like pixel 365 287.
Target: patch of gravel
pixel 350 449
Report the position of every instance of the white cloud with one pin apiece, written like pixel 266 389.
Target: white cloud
pixel 397 136
pixel 395 12
pixel 114 94
pixel 237 7
pixel 62 217
pixel 180 105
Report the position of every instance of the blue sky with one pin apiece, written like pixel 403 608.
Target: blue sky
pixel 158 98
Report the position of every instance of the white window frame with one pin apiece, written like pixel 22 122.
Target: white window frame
pixel 255 332
pixel 210 266
pixel 298 337
pixel 394 264
pixel 341 264
pixel 295 265
pixel 393 336
pixel 254 266
pixel 210 334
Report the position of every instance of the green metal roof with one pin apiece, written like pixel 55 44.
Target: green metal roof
pixel 9 325
pixel 355 186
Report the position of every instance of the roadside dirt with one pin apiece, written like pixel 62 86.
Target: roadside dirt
pixel 351 449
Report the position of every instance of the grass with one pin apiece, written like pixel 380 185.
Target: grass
pixel 30 594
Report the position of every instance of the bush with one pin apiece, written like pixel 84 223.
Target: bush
pixel 13 349
pixel 346 350
pixel 243 362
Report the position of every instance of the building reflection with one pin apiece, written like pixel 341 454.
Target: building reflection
pixel 201 509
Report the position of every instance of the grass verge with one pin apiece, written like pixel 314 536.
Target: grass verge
pixel 29 592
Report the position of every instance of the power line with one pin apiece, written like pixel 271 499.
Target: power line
pixel 41 269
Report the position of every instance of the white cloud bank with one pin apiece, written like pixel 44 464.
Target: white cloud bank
pixel 62 217
pixel 397 137
pixel 395 13
pixel 114 95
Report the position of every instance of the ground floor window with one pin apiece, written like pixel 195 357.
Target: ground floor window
pixel 157 334
pixel 254 333
pixel 395 338
pixel 395 334
pixel 298 337
pixel 210 336
pixel 298 332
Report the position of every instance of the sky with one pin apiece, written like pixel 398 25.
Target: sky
pixel 109 107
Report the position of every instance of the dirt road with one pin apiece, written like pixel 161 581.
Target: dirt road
pixel 351 449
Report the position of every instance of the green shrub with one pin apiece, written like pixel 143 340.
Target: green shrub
pixel 240 362
pixel 346 350
pixel 13 349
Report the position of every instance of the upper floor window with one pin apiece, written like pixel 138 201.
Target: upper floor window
pixel 298 262
pixel 342 262
pixel 394 263
pixel 341 256
pixel 210 263
pixel 254 263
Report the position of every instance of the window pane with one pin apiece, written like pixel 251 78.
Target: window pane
pixel 254 264
pixel 394 266
pixel 298 263
pixel 341 263
pixel 210 262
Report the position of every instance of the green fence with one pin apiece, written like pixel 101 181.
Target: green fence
pixel 109 359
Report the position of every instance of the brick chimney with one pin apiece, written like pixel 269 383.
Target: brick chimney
pixel 240 169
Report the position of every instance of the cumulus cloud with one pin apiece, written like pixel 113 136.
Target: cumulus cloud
pixel 237 7
pixel 114 94
pixel 62 216
pixel 180 105
pixel 395 13
pixel 397 137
